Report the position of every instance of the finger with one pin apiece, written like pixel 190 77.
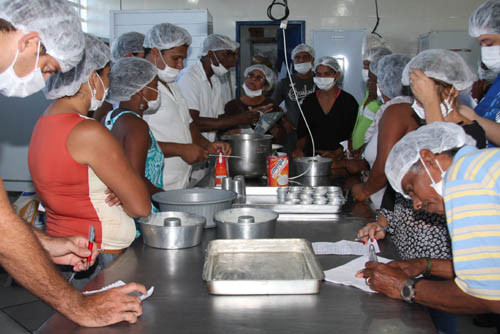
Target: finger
pixel 132 287
pixel 129 317
pixel 107 191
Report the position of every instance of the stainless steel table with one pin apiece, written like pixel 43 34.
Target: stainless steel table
pixel 181 303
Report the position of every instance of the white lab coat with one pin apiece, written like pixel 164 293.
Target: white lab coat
pixel 200 95
pixel 171 124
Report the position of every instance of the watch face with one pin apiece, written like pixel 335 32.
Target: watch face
pixel 406 292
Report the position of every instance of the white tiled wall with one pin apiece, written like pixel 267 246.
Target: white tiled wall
pixel 401 20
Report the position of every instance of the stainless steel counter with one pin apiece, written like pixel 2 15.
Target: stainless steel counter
pixel 181 303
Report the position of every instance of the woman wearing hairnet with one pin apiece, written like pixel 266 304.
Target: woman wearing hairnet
pixel 330 113
pixel 258 80
pixel 75 161
pixel 133 83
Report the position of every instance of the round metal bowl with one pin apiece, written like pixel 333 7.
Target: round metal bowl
pixel 315 166
pixel 245 223
pixel 172 230
pixel 200 201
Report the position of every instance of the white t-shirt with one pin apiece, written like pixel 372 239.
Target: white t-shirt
pixel 200 94
pixel 171 124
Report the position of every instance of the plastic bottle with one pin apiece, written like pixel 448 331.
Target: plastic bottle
pixel 220 170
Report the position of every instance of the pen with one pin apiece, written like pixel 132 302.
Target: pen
pixel 91 244
pixel 383 229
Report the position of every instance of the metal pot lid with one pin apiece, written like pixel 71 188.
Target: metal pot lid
pixel 235 215
pixel 316 159
pixel 246 136
pixel 195 196
pixel 173 219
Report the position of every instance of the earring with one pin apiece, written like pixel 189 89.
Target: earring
pixel 141 106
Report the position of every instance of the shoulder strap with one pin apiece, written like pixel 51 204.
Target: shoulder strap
pixel 110 121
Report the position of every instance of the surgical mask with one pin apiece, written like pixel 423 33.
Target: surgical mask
pixel 153 105
pixel 437 186
pixel 303 68
pixel 251 93
pixel 364 74
pixel 488 75
pixel 445 106
pixel 379 94
pixel 168 74
pixel 12 85
pixel 94 102
pixel 490 55
pixel 418 110
pixel 219 70
pixel 324 83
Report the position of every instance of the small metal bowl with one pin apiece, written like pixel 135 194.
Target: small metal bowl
pixel 245 223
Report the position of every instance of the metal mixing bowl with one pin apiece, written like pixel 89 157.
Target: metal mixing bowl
pixel 246 223
pixel 253 150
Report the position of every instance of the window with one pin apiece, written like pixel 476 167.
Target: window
pixel 81 8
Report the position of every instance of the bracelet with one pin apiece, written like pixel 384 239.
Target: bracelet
pixel 428 267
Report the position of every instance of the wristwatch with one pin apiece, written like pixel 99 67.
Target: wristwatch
pixel 408 290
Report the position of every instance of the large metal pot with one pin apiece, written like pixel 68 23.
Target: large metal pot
pixel 253 150
pixel 315 166
pixel 200 201
pixel 245 223
pixel 172 230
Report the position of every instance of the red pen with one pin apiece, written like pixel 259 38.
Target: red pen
pixel 91 244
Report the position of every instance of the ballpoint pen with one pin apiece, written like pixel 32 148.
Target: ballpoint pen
pixel 383 229
pixel 91 244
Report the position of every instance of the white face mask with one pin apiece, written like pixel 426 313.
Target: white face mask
pixel 488 75
pixel 418 110
pixel 12 85
pixel 324 83
pixel 219 70
pixel 168 74
pixel 437 186
pixel 94 102
pixel 446 106
pixel 364 75
pixel 490 55
pixel 379 94
pixel 251 93
pixel 303 68
pixel 153 105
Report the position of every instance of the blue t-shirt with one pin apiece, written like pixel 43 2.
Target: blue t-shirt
pixel 489 107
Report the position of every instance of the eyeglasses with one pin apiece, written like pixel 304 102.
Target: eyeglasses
pixel 257 77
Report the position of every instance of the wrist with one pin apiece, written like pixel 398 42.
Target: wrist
pixel 428 267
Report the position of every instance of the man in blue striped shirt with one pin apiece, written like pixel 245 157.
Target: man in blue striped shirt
pixel 438 166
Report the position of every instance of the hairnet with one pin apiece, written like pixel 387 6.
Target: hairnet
pixel 444 65
pixel 166 36
pixel 486 74
pixel 376 53
pixel 303 48
pixel 486 19
pixel 371 42
pixel 95 57
pixel 268 73
pixel 389 71
pixel 128 76
pixel 328 61
pixel 218 42
pixel 376 56
pixel 436 137
pixel 128 42
pixel 55 21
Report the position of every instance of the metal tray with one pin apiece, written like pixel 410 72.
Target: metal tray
pixel 262 267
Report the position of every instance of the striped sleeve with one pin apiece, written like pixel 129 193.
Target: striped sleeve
pixel 472 202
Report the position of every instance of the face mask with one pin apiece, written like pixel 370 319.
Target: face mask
pixel 324 83
pixel 490 55
pixel 153 105
pixel 168 74
pixel 445 106
pixel 418 110
pixel 379 94
pixel 219 70
pixel 303 68
pixel 12 85
pixel 251 93
pixel 488 75
pixel 364 74
pixel 94 102
pixel 437 186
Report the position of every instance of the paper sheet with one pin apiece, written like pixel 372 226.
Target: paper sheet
pixel 118 284
pixel 345 274
pixel 344 247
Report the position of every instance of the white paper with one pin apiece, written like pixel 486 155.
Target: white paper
pixel 346 274
pixel 118 284
pixel 344 247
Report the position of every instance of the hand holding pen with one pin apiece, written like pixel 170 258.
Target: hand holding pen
pixel 91 244
pixel 372 231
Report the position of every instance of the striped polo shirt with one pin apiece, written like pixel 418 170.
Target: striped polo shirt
pixel 472 202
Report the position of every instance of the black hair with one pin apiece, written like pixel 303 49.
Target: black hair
pixel 99 71
pixel 147 51
pixel 6 26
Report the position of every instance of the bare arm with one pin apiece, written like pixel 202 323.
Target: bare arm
pixel 90 143
pixel 197 137
pixel 212 124
pixel 491 128
pixel 426 91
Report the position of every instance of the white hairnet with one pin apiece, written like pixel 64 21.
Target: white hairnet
pixel 95 57
pixel 436 137
pixel 268 73
pixel 371 42
pixel 328 61
pixel 128 76
pixel 389 71
pixel 55 21
pixel 166 36
pixel 376 53
pixel 303 48
pixel 444 65
pixel 218 42
pixel 129 42
pixel 486 19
